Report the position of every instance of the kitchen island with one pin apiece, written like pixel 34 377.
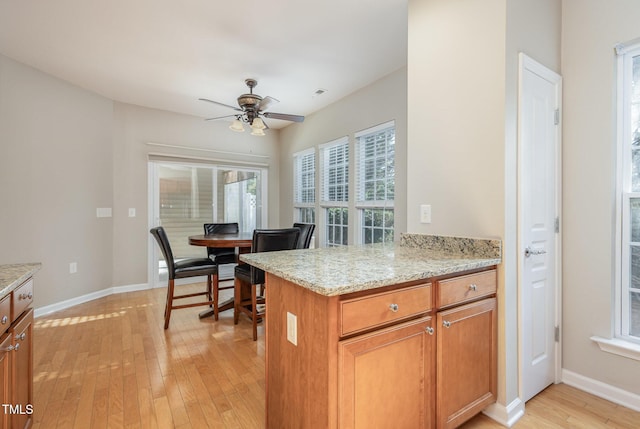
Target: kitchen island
pixel 16 344
pixel 387 335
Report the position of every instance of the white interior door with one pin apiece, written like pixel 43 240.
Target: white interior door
pixel 539 137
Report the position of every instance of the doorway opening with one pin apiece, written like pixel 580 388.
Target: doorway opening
pixel 183 196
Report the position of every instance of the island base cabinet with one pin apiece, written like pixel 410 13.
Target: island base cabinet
pixel 466 362
pixel 6 350
pixel 386 378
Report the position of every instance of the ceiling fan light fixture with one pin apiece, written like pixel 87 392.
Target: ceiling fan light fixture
pixel 258 124
pixel 237 126
pixel 257 132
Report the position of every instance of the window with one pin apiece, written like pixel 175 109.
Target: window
pixel 304 186
pixel 628 307
pixel 375 153
pixel 335 191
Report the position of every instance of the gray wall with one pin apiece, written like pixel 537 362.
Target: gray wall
pixel 590 30
pixel 67 151
pixel 56 168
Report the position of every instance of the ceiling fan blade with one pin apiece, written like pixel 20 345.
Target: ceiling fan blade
pixel 284 116
pixel 220 117
pixel 220 104
pixel 266 103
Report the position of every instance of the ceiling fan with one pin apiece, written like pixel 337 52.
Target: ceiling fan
pixel 252 108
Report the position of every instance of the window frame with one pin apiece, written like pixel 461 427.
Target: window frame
pixel 360 203
pixel 625 194
pixel 298 170
pixel 324 202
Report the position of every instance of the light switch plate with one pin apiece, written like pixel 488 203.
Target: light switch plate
pixel 103 212
pixel 425 213
pixel 73 267
pixel 132 212
pixel 292 328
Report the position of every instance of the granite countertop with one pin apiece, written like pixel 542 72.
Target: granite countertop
pixel 13 275
pixel 341 270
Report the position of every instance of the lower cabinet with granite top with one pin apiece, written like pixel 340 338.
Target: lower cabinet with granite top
pixel 16 345
pixel 420 354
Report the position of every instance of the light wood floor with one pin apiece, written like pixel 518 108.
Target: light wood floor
pixel 109 364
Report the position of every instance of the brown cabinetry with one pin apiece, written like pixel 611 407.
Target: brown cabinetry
pixel 466 361
pixel 16 358
pixel 413 355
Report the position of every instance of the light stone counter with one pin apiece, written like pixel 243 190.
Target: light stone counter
pixel 13 275
pixel 341 270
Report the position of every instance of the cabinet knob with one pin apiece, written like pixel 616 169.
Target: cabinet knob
pixel 429 330
pixel 446 324
pixel 4 320
pixel 393 307
pixel 12 348
pixel 473 287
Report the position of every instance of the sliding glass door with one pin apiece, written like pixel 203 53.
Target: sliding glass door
pixel 184 196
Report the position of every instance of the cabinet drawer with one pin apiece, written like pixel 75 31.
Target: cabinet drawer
pixel 466 288
pixel 22 298
pixel 370 311
pixel 5 313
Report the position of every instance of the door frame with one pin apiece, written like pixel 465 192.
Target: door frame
pixel 527 63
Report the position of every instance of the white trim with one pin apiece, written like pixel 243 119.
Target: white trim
pixel 506 415
pixel 175 146
pixel 62 305
pixel 618 347
pixel 375 129
pixel 163 157
pixel 602 390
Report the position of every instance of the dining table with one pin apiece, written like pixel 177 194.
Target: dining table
pixel 242 241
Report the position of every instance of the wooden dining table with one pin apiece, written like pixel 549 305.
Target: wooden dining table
pixel 241 240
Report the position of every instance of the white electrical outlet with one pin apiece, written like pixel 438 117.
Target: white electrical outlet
pixel 292 328
pixel 132 212
pixel 73 267
pixel 425 213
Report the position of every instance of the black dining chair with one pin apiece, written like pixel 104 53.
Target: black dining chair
pixel 306 232
pixel 183 269
pixel 220 256
pixel 264 240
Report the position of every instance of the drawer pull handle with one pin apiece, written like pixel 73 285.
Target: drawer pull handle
pixel 429 330
pixel 446 324
pixel 5 319
pixel 393 307
pixel 25 296
pixel 21 337
pixel 473 287
pixel 12 348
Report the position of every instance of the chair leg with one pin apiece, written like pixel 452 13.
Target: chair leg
pixel 216 290
pixel 254 311
pixel 237 298
pixel 169 305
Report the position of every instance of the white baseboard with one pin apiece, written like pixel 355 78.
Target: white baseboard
pixel 602 390
pixel 62 305
pixel 506 415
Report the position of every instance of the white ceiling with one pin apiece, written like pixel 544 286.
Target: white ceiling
pixel 166 54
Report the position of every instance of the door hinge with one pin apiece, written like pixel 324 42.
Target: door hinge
pixel 557 334
pixel 556 225
pixel 556 117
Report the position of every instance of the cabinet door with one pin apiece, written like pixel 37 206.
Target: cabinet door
pixel 466 361
pixel 386 378
pixel 23 370
pixel 5 376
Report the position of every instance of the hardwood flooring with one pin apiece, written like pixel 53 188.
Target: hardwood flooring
pixel 109 364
